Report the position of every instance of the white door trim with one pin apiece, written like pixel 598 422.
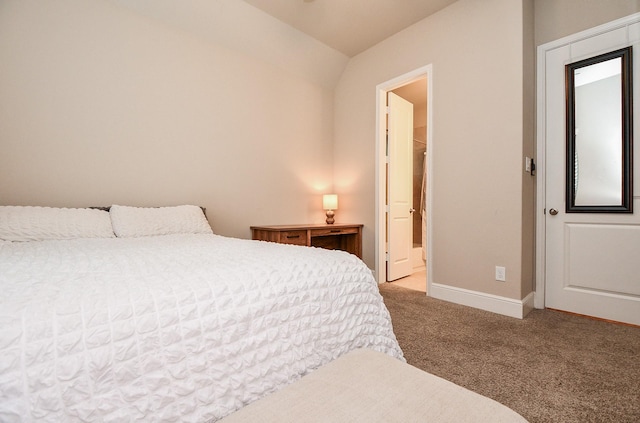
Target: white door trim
pixel 381 95
pixel 539 298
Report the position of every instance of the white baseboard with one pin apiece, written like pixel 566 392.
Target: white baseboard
pixel 494 303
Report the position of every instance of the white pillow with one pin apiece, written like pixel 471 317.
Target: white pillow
pixel 32 223
pixel 133 222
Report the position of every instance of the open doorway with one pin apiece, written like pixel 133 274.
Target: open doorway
pixel 416 93
pixel 413 88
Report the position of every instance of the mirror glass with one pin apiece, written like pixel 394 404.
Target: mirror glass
pixel 599 134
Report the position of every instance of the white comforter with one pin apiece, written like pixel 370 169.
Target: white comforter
pixel 173 328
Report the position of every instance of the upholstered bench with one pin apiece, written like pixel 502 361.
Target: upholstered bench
pixel 367 386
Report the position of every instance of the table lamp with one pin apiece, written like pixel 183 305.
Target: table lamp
pixel 330 203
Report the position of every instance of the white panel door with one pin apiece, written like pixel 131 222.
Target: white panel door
pixel 400 186
pixel 592 259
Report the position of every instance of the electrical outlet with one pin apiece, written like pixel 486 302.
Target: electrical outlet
pixel 501 273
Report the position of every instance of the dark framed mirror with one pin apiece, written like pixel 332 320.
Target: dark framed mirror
pixel 600 134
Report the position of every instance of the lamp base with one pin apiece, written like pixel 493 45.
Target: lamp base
pixel 330 220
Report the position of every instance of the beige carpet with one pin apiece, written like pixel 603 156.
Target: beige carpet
pixel 549 367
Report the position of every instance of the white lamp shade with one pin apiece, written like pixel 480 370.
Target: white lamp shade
pixel 330 202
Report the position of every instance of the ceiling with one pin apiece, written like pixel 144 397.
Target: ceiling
pixel 350 26
pixel 414 92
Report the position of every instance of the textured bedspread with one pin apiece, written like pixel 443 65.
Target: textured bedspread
pixel 173 328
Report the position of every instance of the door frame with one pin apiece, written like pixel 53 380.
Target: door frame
pixel 380 186
pixel 539 295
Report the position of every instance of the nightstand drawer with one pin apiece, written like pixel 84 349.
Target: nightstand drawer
pixel 333 231
pixel 293 237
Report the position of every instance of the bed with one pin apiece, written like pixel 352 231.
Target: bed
pixel 143 314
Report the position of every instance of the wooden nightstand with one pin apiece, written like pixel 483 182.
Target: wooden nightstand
pixel 344 237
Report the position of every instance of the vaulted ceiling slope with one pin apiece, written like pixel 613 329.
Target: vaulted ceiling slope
pixel 350 26
pixel 247 30
pixel 312 39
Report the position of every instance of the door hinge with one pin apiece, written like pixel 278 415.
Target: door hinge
pixel 387 110
pixel 386 147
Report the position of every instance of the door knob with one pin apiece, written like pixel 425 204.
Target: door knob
pixel 553 212
pixel 411 210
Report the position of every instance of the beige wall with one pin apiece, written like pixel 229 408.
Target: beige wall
pixel 555 19
pixel 476 49
pixel 528 148
pixel 100 105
